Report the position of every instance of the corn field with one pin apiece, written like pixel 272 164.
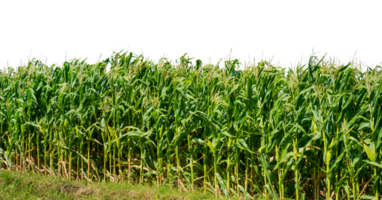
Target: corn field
pixel 310 132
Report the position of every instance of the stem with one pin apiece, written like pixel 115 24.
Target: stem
pixel 296 170
pixel 205 171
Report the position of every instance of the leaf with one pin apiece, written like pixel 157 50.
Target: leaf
pixel 355 140
pixel 212 147
pixel 317 135
pixel 227 134
pixel 115 135
pixel 222 185
pixel 243 145
pixel 379 140
pixel 199 141
pixel 364 125
pixel 337 162
pixel 373 163
pixel 284 159
pixel 132 134
pixel 358 116
pixel 300 128
pixel 364 197
pixel 245 192
pixel 369 153
pixel 83 157
pixel 348 102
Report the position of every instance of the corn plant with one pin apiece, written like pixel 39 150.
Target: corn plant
pixel 310 132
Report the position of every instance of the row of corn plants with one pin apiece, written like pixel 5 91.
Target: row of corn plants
pixel 310 132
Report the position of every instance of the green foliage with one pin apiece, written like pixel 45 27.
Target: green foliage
pixel 261 131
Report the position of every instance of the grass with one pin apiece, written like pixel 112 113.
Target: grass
pixel 18 185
